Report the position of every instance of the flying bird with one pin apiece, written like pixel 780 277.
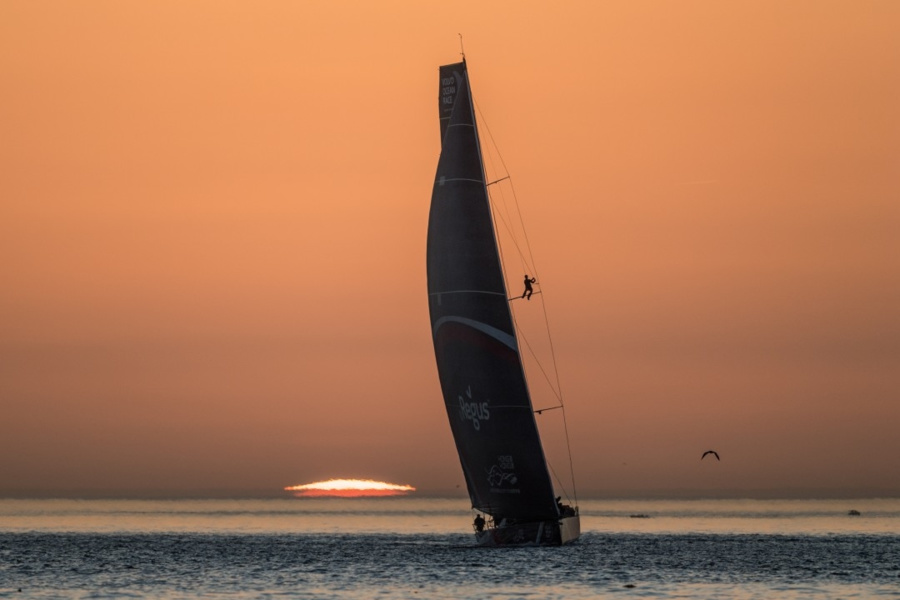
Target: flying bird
pixel 713 452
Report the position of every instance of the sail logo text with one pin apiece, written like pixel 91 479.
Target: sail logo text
pixel 448 89
pixel 473 411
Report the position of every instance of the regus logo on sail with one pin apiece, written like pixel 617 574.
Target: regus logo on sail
pixel 473 411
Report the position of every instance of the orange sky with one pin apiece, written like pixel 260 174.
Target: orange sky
pixel 212 239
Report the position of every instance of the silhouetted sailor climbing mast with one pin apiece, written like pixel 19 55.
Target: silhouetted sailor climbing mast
pixel 479 364
pixel 528 289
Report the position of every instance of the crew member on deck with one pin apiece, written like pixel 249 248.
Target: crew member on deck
pixel 528 289
pixel 479 523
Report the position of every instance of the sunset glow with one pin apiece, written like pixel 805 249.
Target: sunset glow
pixel 214 243
pixel 349 488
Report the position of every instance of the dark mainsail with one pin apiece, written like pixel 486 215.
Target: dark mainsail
pixel 475 345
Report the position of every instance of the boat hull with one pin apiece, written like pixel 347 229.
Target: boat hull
pixel 535 533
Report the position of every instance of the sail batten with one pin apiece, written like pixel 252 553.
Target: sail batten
pixel 465 292
pixel 444 180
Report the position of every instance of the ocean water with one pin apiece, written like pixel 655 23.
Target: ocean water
pixel 423 548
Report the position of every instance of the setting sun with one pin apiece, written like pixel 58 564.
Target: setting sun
pixel 349 488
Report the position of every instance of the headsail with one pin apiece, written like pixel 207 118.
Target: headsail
pixel 480 369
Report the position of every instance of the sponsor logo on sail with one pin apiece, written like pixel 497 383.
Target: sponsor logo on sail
pixel 476 412
pixel 502 476
pixel 497 477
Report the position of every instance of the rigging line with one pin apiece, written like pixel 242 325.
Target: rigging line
pixel 521 220
pixel 506 219
pixel 558 389
pixel 499 195
pixel 494 217
pixel 561 402
pixel 552 350
pixel 499 216
pixel 530 260
pixel 494 214
pixel 499 198
pixel 516 202
pixel 515 198
pixel 538 361
pixel 562 486
pixel 502 199
pixel 569 451
pixel 510 231
pixel 544 306
pixel 560 396
pixel 540 366
pixel 536 276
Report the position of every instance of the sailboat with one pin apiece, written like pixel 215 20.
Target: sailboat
pixel 479 364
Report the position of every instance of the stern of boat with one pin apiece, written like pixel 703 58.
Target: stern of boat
pixel 569 529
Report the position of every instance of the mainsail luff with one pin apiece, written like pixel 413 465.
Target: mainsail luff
pixel 480 369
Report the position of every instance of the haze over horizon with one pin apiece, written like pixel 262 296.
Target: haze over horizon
pixel 212 241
